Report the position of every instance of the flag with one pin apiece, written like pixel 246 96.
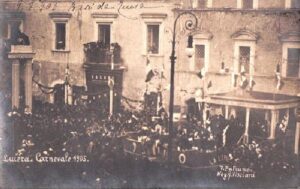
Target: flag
pixel 149 76
pixel 163 75
pixel 244 81
pixel 147 61
pixel 209 85
pixel 222 66
pixel 200 75
pixel 279 83
pixel 251 82
pixel 278 68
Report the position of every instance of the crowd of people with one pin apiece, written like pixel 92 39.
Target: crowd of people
pixel 54 130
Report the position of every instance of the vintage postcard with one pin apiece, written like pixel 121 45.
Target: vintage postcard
pixel 149 94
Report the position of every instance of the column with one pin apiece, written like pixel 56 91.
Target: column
pixel 66 93
pixel 246 134
pixel 226 112
pixel 157 103
pixel 15 83
pixel 287 114
pixel 267 115
pixel 204 113
pixel 274 121
pixel 28 84
pixel 297 138
pixel 267 118
pixel 232 112
pixel 111 94
pixel 111 101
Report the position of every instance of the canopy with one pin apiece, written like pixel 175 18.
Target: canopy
pixel 254 99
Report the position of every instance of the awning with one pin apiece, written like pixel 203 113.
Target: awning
pixel 254 99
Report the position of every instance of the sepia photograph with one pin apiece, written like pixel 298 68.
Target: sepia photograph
pixel 164 94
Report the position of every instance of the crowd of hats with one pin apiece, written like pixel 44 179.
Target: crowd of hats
pixel 55 130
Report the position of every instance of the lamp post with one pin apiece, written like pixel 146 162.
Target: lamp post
pixel 189 25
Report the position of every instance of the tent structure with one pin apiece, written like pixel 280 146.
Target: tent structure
pixel 251 101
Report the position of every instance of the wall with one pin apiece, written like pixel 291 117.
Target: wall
pixel 128 32
pixel 271 4
pixel 222 24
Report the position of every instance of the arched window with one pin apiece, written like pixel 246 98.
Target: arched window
pixel 244 51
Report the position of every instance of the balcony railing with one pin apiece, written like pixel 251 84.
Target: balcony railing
pixel 98 52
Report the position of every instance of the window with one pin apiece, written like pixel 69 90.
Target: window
pixel 10 28
pixel 152 34
pixel 244 51
pixel 295 4
pixel 60 36
pixel 104 34
pixel 293 61
pixel 244 58
pixel 202 3
pixel 290 54
pixel 60 31
pixel 247 4
pixel 200 60
pixel 104 28
pixel 153 39
pixel 199 56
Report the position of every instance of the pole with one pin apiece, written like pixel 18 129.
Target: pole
pixel 188 25
pixel 171 106
pixel 111 94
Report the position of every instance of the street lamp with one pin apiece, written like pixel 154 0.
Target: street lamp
pixel 189 25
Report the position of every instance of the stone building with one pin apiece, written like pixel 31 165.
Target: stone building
pixel 58 31
pixel 247 53
pixel 266 34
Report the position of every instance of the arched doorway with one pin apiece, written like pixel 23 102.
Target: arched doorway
pixel 58 96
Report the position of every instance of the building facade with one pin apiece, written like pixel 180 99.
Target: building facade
pixel 256 37
pixel 58 31
pixel 245 63
pixel 235 36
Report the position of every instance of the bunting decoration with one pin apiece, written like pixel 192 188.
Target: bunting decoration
pixel 234 79
pixel 150 75
pixel 279 82
pixel 244 82
pixel 201 73
pixel 209 85
pixel 222 67
pixel 251 83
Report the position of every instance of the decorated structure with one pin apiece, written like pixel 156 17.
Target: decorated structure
pixel 104 76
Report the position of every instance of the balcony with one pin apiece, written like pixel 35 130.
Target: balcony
pixel 99 53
